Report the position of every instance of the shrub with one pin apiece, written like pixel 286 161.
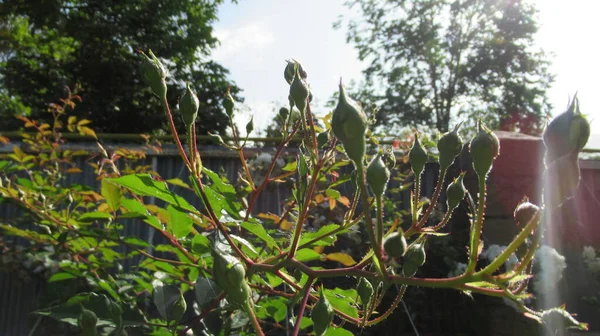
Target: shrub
pixel 233 271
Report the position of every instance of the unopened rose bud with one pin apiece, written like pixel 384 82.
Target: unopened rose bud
pixel 484 148
pixel 449 146
pixel 228 104
pixel 456 192
pixel 188 106
pixel 349 124
pixel 525 211
pixel 417 156
pixel 154 74
pixel 378 175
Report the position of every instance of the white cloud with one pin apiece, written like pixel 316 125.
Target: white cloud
pixel 244 44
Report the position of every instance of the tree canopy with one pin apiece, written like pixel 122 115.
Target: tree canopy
pixel 50 44
pixel 433 60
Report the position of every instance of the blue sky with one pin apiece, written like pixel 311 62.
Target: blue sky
pixel 258 36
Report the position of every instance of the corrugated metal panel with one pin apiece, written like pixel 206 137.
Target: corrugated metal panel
pixel 17 300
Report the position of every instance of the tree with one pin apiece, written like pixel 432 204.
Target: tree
pixel 430 60
pixel 57 43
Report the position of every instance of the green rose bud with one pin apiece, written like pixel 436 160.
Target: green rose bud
pixel 568 132
pixel 299 92
pixel 154 74
pixel 217 139
pixel 250 126
pixel 349 124
pixel 365 291
pixel 484 148
pixel 228 103
pixel 449 146
pixel 322 314
pixel 290 71
pixel 116 313
pixel 88 321
pixel 414 258
pixel 395 245
pixel 322 139
pixel 378 175
pixel 525 211
pixel 561 180
pixel 178 308
pixel 455 192
pixel 417 157
pixel 284 113
pixel 188 106
pixel 229 274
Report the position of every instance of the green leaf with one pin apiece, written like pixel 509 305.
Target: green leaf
pixel 206 291
pixel 112 194
pixel 337 332
pixel 95 215
pixel 98 303
pixel 249 249
pixel 306 254
pixel 145 185
pixel 178 182
pixel 332 193
pixel 259 231
pixel 328 238
pixel 106 286
pixel 226 191
pixel 60 276
pixel 290 166
pixel 166 298
pixel 274 281
pixel 136 208
pixel 306 322
pixel 180 222
pixel 200 244
pixel 343 300
pixel 273 307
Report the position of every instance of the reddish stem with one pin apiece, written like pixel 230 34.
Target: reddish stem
pixel 307 287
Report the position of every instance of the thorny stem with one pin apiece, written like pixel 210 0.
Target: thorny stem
pixel 379 227
pixel 198 181
pixel 307 288
pixel 391 309
pixel 434 198
pixel 415 201
pixel 174 132
pixel 240 151
pixel 299 225
pixel 256 192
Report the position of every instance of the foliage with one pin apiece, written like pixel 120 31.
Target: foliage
pixel 48 45
pixel 228 270
pixel 433 61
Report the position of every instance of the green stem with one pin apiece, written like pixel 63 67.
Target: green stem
pixel 190 140
pixel 367 215
pixel 254 320
pixel 513 246
pixel 477 226
pixel 379 227
pixel 415 200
